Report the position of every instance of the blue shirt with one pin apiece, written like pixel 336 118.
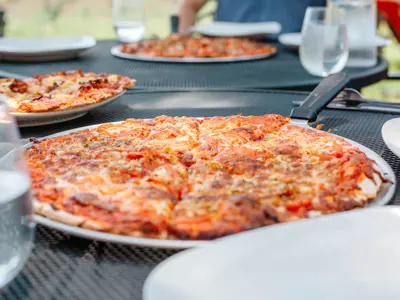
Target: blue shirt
pixel 289 13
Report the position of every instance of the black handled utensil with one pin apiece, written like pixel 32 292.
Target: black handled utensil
pixel 320 97
pixel 350 99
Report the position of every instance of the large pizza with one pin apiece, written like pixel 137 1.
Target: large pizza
pixel 175 46
pixel 198 179
pixel 61 90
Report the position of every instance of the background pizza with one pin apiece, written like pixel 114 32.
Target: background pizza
pixel 188 178
pixel 200 47
pixel 62 90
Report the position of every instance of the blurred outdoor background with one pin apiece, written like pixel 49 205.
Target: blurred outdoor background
pixel 39 18
pixel 26 18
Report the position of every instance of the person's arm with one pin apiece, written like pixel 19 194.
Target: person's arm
pixel 187 12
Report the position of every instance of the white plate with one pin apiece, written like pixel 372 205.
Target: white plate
pixel 293 40
pixel 383 197
pixel 116 51
pixel 44 49
pixel 52 117
pixel 231 29
pixel 391 135
pixel 114 238
pixel 347 256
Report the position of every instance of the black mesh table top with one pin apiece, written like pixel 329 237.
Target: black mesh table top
pixel 282 71
pixel 65 267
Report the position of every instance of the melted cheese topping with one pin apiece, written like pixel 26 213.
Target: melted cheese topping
pixel 191 178
pixel 61 90
pixel 177 46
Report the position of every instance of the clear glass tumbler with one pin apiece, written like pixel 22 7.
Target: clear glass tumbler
pixel 128 20
pixel 324 47
pixel 360 18
pixel 16 224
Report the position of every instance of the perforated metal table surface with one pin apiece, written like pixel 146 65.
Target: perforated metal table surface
pixel 65 267
pixel 282 71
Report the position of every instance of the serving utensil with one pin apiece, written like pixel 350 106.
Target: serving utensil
pixel 321 96
pixel 350 99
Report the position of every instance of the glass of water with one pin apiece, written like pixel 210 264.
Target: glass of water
pixel 16 223
pixel 360 18
pixel 128 20
pixel 324 47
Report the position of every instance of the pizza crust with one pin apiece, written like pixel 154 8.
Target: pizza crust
pixel 48 211
pixel 371 187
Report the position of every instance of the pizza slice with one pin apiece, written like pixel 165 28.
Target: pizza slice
pixel 223 133
pixel 135 210
pixel 130 194
pixel 62 90
pixel 207 216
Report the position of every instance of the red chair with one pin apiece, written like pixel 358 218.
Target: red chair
pixel 390 11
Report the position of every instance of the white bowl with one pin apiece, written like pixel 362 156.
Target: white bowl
pixel 391 135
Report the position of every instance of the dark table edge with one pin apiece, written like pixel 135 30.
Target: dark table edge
pixel 364 78
pixel 215 90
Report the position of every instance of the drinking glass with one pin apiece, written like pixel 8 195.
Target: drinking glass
pixel 324 47
pixel 16 223
pixel 360 18
pixel 128 20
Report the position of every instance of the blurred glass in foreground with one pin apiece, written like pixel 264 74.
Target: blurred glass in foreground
pixel 16 224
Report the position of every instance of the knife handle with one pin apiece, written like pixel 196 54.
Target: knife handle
pixel 324 93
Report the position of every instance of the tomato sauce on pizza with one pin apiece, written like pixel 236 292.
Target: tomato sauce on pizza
pixel 175 46
pixel 62 90
pixel 198 179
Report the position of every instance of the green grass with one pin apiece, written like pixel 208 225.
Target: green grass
pixel 81 20
pixel 388 90
pixel 87 19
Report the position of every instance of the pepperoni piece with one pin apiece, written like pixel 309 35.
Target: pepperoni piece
pixel 19 86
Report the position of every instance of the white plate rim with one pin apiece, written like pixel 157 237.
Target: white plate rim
pixel 384 196
pixel 387 139
pixel 116 51
pixel 49 121
pixel 380 40
pixel 90 43
pixel 62 113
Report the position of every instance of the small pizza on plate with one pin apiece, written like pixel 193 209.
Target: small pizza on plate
pixel 175 46
pixel 197 179
pixel 62 90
